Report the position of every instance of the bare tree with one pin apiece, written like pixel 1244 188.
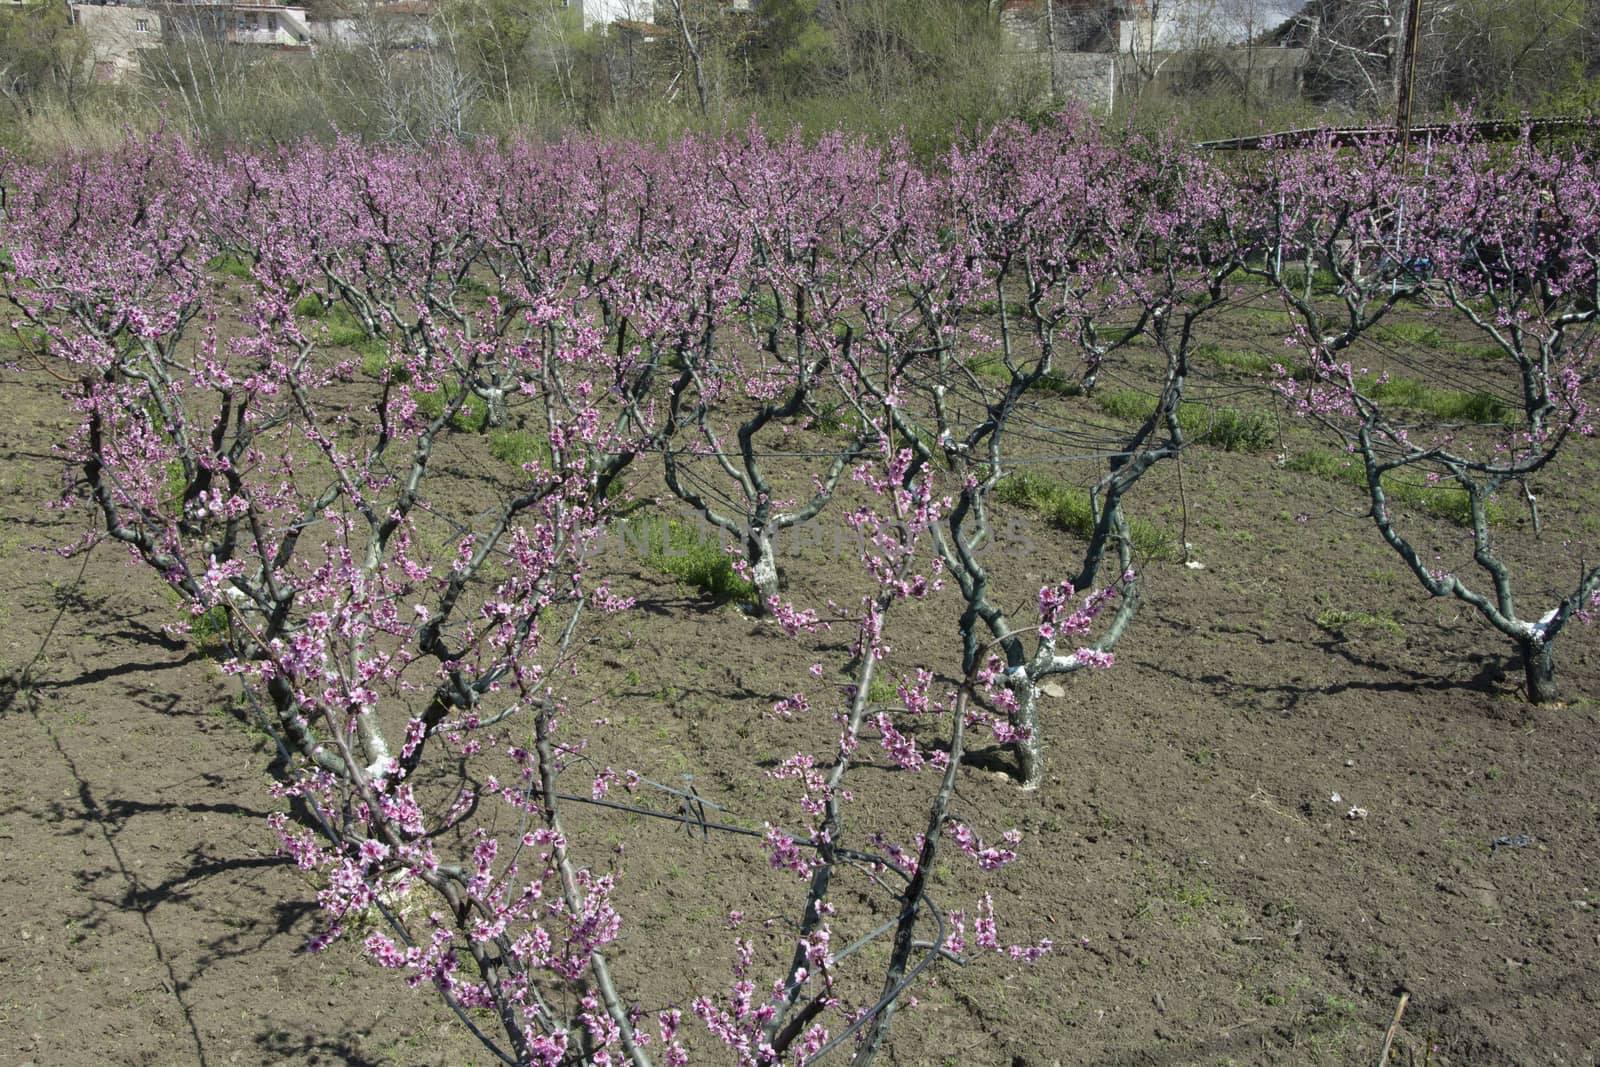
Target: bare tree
pixel 197 69
pixel 694 62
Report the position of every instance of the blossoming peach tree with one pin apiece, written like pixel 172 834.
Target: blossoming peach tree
pixel 1504 239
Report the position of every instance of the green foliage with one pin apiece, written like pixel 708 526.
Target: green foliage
pixel 677 548
pixel 924 70
pixel 46 61
pixel 1070 509
pixel 795 47
pixel 1510 58
pixel 492 38
pixel 1229 429
pixel 1445 501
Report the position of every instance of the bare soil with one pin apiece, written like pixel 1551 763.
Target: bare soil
pixel 1194 853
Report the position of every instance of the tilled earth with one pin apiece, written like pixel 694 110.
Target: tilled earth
pixel 1303 792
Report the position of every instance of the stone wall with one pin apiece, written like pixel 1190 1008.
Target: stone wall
pixel 1099 79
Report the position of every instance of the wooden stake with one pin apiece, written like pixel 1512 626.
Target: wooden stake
pixel 1394 1028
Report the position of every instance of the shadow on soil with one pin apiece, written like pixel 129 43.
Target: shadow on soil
pixel 1489 680
pixel 277 1046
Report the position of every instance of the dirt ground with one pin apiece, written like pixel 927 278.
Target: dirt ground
pixel 1193 853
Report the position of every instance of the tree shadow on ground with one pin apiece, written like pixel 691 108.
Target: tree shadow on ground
pixel 1488 681
pixel 279 1046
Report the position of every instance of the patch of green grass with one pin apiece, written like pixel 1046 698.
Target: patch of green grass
pixel 473 416
pixel 1116 335
pixel 992 307
pixel 17 340
pixel 175 485
pixel 1233 359
pixel 883 692
pixel 1445 501
pixel 518 448
pixel 1448 404
pixel 229 267
pixel 1068 508
pixel 677 548
pixel 311 306
pixel 343 329
pixel 1054 384
pixel 1265 315
pixel 375 361
pixel 209 630
pixel 1409 393
pixel 1487 353
pixel 1419 334
pixel 1340 623
pixel 1229 429
pixel 1322 280
pixel 1183 900
pixel 837 421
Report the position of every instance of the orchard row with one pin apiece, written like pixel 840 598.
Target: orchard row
pixel 265 354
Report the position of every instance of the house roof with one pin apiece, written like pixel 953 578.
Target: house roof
pixel 643 29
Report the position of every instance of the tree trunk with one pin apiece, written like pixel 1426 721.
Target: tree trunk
pixel 1030 752
pixel 697 68
pixel 763 562
pixel 494 403
pixel 1539 668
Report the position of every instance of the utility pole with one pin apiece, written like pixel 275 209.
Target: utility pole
pixel 1050 44
pixel 1408 73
